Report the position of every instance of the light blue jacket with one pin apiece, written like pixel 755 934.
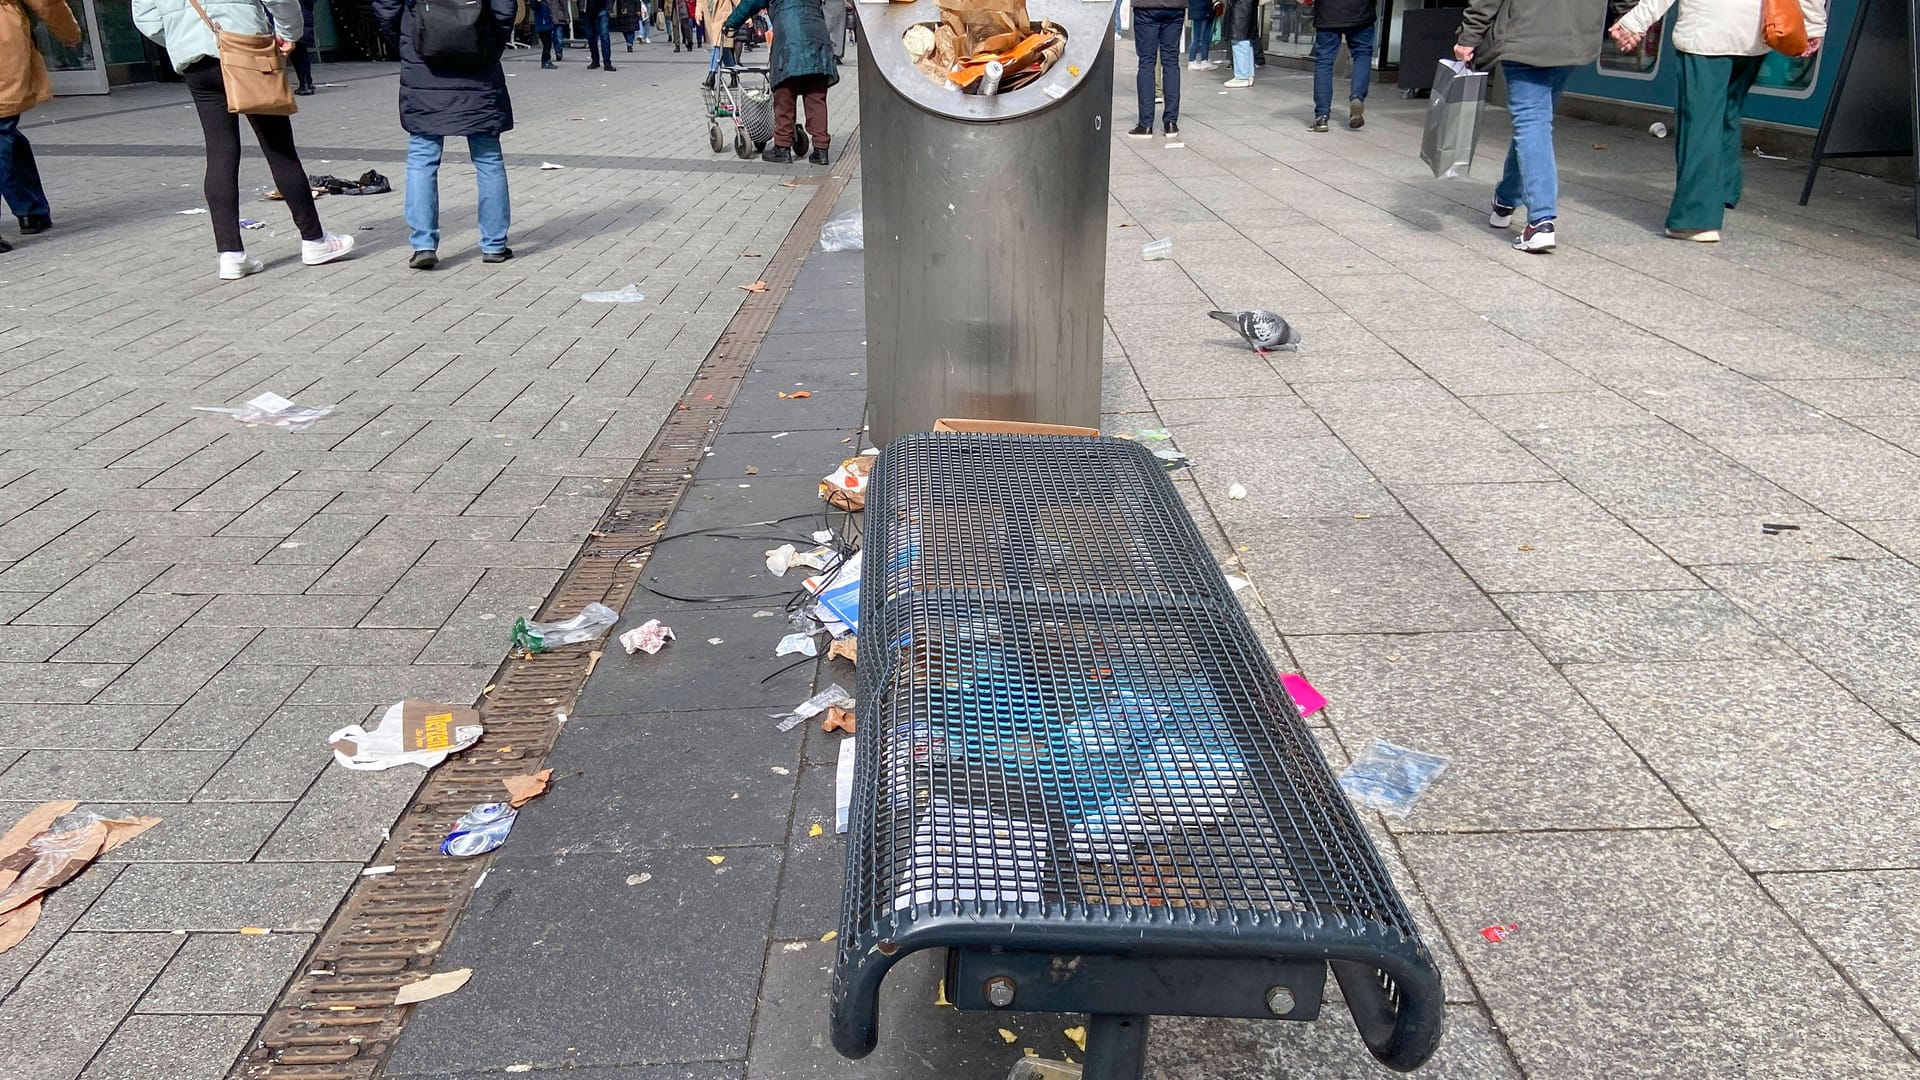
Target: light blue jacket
pixel 177 28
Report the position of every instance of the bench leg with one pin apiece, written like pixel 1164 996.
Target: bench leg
pixel 1116 1048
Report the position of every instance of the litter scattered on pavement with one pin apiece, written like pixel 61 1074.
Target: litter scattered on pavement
pixel 785 557
pixel 525 788
pixel 846 487
pixel 1078 1036
pixel 838 593
pixel 551 165
pixel 479 830
pixel 1236 582
pixel 844 233
pixel 833 695
pixel 539 637
pixel 816 829
pixel 639 879
pixel 847 648
pixel 1008 1037
pixel 803 644
pixel 625 294
pixel 1759 153
pixel 439 984
pixel 271 410
pixel 249 223
pixel 411 732
pixel 838 719
pixel 1172 460
pixel 716 859
pixel 1237 492
pixel 1305 697
pixel 649 637
pixel 1155 250
pixel 46 849
pixel 843 786
pixel 1771 528
pixel 1657 129
pixel 1391 778
pixel 376 871
pixel 195 210
pixel 1498 934
pixel 796 395
pixel 753 287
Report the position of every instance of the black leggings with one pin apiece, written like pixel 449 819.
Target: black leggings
pixel 222 131
pixel 302 58
pixel 549 47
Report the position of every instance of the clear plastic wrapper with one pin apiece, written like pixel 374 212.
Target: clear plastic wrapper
pixel 844 233
pixel 1391 778
pixel 537 637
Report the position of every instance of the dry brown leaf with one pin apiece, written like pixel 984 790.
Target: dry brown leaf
pixel 756 287
pixel 522 790
pixel 838 719
pixel 439 984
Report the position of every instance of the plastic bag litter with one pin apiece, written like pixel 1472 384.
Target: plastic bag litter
pixel 844 233
pixel 785 557
pixel 271 410
pixel 410 733
pixel 804 644
pixel 649 637
pixel 625 294
pixel 833 695
pixel 1390 778
pixel 47 848
pixel 539 637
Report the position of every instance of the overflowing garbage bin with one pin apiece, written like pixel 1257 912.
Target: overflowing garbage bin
pixel 984 160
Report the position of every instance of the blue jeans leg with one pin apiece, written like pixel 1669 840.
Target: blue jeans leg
pixel 422 201
pixel 1156 38
pixel 19 173
pixel 490 169
pixel 1326 49
pixel 1201 43
pixel 1360 47
pixel 1243 59
pixel 1531 177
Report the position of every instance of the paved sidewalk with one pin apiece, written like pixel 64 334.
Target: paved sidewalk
pixel 190 606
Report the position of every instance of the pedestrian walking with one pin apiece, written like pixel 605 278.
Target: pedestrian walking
pixel 1336 21
pixel 628 21
pixel 1720 49
pixel 1538 44
pixel 680 18
pixel 548 33
pixel 800 67
pixel 302 56
pixel 599 16
pixel 461 91
pixel 699 24
pixel 1200 45
pixel 714 16
pixel 23 85
pixel 1241 15
pixel 1156 37
pixel 185 29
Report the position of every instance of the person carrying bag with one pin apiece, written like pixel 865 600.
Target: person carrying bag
pixel 216 48
pixel 24 84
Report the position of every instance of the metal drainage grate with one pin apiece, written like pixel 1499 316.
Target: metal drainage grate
pixel 335 1019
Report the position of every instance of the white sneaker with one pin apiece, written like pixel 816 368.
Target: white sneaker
pixel 1235 84
pixel 235 265
pixel 329 247
pixel 1698 236
pixel 1196 65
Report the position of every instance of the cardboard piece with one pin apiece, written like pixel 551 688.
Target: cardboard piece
pixel 522 790
pixel 439 984
pixel 47 848
pixel 838 719
pixel 1009 427
pixel 410 733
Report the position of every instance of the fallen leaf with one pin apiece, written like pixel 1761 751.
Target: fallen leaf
pixel 716 859
pixel 1079 1037
pixel 838 719
pixel 1008 1037
pixel 817 830
pixel 755 287
pixel 829 935
pixel 436 985
pixel 522 790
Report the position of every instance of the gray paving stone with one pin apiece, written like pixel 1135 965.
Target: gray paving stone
pixel 97 978
pixel 78 727
pixel 228 709
pixel 226 973
pixel 1569 990
pixel 175 669
pixel 1412 431
pixel 1702 541
pixel 194 832
pixel 1776 780
pixel 284 611
pixel 165 775
pixel 90 596
pixel 1258 1049
pixel 168 897
pixel 342 816
pixel 279 761
pixel 424 596
pixel 1656 472
pixel 1865 922
pixel 705 926
pixel 1560 409
pixel 1857 397
pixel 1845 472
pixel 1539 538
pixel 1859 621
pixel 1524 751
pixel 59 910
pixel 1325 577
pixel 1593 626
pixel 384 684
pixel 177 1047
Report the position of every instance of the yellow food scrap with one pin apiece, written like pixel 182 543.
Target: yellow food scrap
pixel 1009 1036
pixel 1079 1037
pixel 829 935
pixel 940 995
pixel 816 831
pixel 716 859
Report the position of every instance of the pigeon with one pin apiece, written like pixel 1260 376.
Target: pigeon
pixel 1263 329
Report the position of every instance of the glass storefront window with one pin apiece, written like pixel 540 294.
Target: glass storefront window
pixel 1640 61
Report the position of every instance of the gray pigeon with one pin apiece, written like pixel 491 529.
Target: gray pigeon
pixel 1263 329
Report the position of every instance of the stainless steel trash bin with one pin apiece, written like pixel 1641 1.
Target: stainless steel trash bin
pixel 986 228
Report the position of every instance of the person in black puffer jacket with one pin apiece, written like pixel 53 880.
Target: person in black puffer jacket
pixel 440 98
pixel 1333 21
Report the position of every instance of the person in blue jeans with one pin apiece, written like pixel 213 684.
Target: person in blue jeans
pixel 1156 34
pixel 1336 21
pixel 599 18
pixel 1538 44
pixel 1200 44
pixel 442 99
pixel 1239 30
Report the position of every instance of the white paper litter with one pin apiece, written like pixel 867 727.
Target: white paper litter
pixel 649 637
pixel 271 410
pixel 551 165
pixel 804 644
pixel 386 746
pixel 625 294
pixel 843 786
pixel 833 695
pixel 1237 492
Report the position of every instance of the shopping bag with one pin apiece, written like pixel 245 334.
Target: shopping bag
pixel 1453 122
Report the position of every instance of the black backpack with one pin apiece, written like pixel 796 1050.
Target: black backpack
pixel 454 31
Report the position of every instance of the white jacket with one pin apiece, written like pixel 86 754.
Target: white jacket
pixel 177 28
pixel 1719 27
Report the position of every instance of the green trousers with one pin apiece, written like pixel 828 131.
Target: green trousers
pixel 1713 89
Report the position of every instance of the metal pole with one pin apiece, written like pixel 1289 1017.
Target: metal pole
pixel 1116 1048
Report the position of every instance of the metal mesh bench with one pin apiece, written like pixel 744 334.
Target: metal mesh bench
pixel 1078 772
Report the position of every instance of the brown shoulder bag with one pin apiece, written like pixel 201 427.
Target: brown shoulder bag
pixel 253 69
